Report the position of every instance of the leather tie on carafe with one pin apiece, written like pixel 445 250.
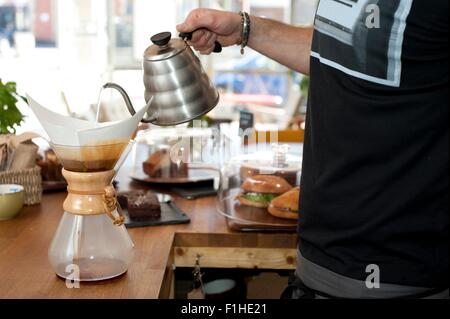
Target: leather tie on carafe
pixel 111 204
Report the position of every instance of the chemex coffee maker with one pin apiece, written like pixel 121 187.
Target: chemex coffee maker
pixel 91 235
pixel 91 242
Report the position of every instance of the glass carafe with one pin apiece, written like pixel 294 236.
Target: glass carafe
pixel 91 242
pixel 98 249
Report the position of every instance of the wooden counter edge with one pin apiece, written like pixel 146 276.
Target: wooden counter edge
pixel 244 257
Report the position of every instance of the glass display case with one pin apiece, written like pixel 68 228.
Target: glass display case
pixel 176 156
pixel 260 191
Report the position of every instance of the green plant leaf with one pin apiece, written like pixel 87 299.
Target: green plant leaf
pixel 10 116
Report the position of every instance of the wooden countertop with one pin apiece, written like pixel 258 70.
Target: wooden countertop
pixel 26 273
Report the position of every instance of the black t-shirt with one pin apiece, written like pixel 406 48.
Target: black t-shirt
pixel 375 184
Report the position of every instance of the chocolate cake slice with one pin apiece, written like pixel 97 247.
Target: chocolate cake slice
pixel 143 206
pixel 122 198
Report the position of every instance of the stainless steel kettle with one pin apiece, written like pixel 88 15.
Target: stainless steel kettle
pixel 175 78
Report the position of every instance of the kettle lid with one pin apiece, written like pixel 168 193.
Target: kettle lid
pixel 164 47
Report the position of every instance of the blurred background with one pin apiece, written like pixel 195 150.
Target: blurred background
pixel 63 51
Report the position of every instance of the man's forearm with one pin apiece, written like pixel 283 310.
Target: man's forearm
pixel 288 45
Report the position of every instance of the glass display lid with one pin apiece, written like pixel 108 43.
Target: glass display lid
pixel 176 156
pixel 260 191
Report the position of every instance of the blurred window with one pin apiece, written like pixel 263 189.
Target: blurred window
pixel 253 79
pixel 95 41
pixel 121 33
pixel 29 17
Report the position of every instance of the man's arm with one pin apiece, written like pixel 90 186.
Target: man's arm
pixel 288 45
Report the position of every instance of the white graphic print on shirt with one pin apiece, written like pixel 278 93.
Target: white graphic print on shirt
pixel 346 41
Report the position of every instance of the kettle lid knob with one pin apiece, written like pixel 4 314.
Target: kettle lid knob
pixel 161 39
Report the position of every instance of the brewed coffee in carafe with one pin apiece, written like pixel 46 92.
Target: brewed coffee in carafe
pixel 91 242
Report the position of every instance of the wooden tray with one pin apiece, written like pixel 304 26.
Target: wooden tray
pixel 195 175
pixel 53 186
pixel 246 218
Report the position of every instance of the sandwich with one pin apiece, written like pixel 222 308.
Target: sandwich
pixel 286 206
pixel 260 190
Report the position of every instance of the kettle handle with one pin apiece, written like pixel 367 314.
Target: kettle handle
pixel 187 36
pixel 128 103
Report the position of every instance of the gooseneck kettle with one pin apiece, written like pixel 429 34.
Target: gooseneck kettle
pixel 175 78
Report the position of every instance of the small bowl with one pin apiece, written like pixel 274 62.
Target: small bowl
pixel 222 289
pixel 11 201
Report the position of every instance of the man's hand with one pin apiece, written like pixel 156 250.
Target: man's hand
pixel 212 26
pixel 288 45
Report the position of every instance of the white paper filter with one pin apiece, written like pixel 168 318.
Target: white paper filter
pixel 69 131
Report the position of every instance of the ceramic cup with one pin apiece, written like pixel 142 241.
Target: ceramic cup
pixel 11 201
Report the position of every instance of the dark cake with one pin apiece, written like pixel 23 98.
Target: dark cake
pixel 122 198
pixel 140 205
pixel 160 165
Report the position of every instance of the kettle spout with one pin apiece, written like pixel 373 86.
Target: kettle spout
pixel 127 100
pixel 124 96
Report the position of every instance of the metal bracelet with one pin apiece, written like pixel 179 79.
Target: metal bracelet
pixel 246 27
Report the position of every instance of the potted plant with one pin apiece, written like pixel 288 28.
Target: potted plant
pixel 10 116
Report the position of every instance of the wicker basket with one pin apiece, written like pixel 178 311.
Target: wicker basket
pixel 30 179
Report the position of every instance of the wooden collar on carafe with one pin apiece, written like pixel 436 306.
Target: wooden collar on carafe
pixel 96 184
